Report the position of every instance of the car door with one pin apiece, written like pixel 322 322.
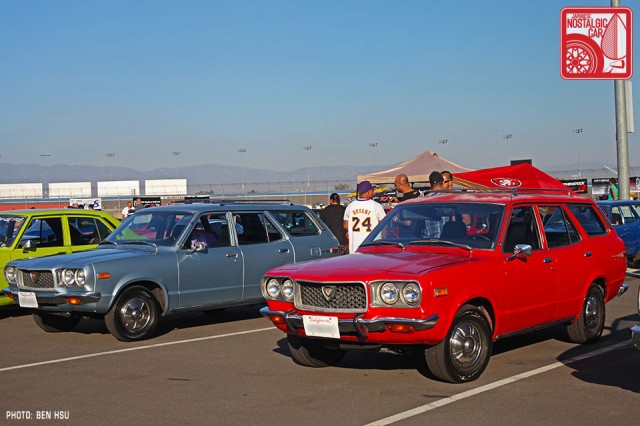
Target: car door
pixel 43 236
pixel 215 274
pixel 530 281
pixel 263 247
pixel 627 226
pixel 307 236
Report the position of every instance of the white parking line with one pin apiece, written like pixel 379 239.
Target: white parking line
pixel 457 397
pixel 137 348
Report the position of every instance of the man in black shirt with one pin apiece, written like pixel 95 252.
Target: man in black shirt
pixel 402 185
pixel 333 216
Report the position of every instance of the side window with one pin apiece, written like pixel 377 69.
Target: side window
pixel 616 215
pixel 558 229
pixel 627 214
pixel 45 232
pixel 83 231
pixel 103 230
pixel 297 223
pixel 522 229
pixel 255 228
pixel 220 228
pixel 588 218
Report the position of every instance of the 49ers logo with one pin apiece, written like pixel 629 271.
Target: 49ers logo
pixel 506 182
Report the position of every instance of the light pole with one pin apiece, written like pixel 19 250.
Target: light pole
pixel 176 154
pixel 308 149
pixel 242 151
pixel 507 137
pixel 373 146
pixel 45 157
pixel 443 141
pixel 110 155
pixel 577 133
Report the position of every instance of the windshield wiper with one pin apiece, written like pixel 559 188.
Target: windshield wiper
pixel 107 242
pixel 383 243
pixel 440 242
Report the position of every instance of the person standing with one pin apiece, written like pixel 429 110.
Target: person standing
pixel 127 210
pixel 613 189
pixel 402 184
pixel 447 179
pixel 436 181
pixel 362 215
pixel 333 216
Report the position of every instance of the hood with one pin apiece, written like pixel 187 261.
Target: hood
pixel 79 259
pixel 360 266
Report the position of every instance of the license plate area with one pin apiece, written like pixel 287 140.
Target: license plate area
pixel 27 299
pixel 321 326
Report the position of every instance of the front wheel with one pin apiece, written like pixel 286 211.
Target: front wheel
pixel 134 315
pixel 589 325
pixel 52 323
pixel 464 353
pixel 312 354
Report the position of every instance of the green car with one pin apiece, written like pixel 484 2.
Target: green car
pixel 44 232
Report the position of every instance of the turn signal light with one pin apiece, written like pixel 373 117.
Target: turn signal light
pixel 11 296
pixel 73 300
pixel 104 275
pixel 277 319
pixel 438 292
pixel 400 328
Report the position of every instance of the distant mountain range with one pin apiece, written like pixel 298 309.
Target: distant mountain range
pixel 200 174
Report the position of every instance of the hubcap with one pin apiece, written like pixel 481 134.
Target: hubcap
pixel 466 345
pixel 591 313
pixel 135 314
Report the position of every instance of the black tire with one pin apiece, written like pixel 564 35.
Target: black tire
pixel 464 353
pixel 589 325
pixel 134 315
pixel 52 323
pixel 312 354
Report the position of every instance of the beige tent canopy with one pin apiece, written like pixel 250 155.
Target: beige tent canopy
pixel 417 169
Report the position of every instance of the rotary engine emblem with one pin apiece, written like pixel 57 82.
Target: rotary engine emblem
pixel 34 276
pixel 506 182
pixel 329 292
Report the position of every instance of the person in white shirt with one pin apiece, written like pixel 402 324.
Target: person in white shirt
pixel 127 210
pixel 362 215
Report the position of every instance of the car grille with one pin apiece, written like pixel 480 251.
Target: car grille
pixel 36 279
pixel 344 297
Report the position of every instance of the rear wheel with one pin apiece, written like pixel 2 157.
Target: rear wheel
pixel 311 353
pixel 52 323
pixel 464 353
pixel 589 325
pixel 134 315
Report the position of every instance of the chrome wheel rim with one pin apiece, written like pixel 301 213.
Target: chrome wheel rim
pixel 135 314
pixel 591 313
pixel 466 346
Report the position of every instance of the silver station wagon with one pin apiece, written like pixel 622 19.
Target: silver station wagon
pixel 163 260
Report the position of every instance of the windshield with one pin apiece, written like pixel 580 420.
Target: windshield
pixel 10 227
pixel 154 227
pixel 467 224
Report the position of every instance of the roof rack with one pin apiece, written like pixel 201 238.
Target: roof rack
pixel 223 201
pixel 512 191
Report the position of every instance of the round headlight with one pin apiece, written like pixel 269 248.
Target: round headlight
pixel 10 273
pixel 411 294
pixel 80 278
pixel 68 277
pixel 389 293
pixel 273 288
pixel 287 289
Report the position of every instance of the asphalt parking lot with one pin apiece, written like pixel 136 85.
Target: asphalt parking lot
pixel 233 367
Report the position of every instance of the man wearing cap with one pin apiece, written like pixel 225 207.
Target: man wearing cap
pixel 333 216
pixel 362 215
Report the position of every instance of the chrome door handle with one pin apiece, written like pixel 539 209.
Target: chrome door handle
pixel 283 250
pixel 232 255
pixel 587 254
pixel 547 260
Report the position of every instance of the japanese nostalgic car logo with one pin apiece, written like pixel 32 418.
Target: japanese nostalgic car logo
pixel 506 182
pixel 34 276
pixel 329 292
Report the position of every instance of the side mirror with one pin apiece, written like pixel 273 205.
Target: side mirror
pixel 29 245
pixel 198 246
pixel 524 249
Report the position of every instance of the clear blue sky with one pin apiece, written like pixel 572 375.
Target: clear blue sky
pixel 141 79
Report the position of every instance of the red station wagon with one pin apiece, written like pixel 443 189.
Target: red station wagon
pixel 449 274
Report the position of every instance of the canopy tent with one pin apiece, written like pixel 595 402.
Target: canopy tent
pixel 508 177
pixel 417 169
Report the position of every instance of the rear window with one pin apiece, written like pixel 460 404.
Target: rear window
pixel 588 218
pixel 297 223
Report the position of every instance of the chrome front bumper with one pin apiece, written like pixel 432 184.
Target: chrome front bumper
pixel 54 298
pixel 358 325
pixel 635 336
